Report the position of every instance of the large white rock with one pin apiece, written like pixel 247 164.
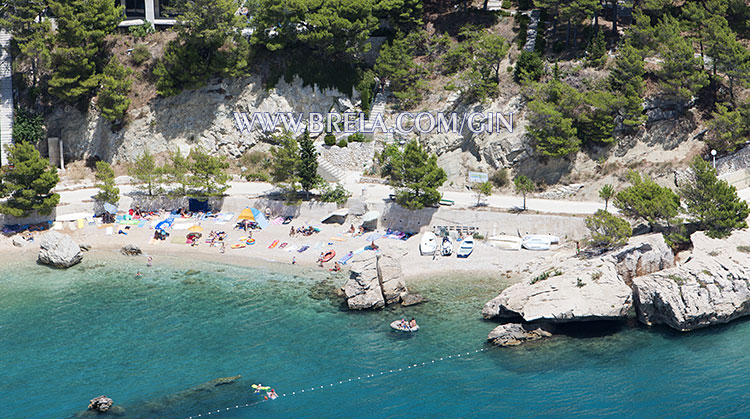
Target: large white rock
pixel 363 290
pixel 574 290
pixel 712 287
pixel 58 250
pixel 642 256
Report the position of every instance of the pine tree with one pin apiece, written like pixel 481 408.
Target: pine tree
pixel 31 34
pixel 681 75
pixel 648 201
pixel 606 193
pixel 177 173
pixel 113 95
pixel 595 121
pixel 482 189
pixel 729 56
pixel 552 133
pixel 523 185
pixel 529 67
pixel 307 167
pixel 108 192
pixel 713 203
pixel 416 186
pixel 146 173
pixel 727 130
pixel 28 127
pixel 27 182
pixel 207 174
pixel 607 230
pixel 597 50
pixel 284 163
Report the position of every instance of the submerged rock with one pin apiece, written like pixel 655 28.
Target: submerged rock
pixel 375 281
pixel 131 250
pixel 411 300
pixel 58 250
pixel 513 334
pixel 712 287
pixel 573 290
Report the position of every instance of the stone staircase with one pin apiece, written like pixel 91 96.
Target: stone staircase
pixel 6 96
pixel 378 108
pixel 328 171
pixel 531 31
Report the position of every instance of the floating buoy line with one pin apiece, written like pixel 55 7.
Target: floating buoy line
pixel 340 382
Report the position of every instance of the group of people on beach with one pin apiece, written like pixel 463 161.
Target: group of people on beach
pixel 305 231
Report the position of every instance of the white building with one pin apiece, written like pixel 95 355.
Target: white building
pixel 139 11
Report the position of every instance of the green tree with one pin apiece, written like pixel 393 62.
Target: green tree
pixel 391 162
pixel 626 81
pixel 105 176
pixel 284 161
pixel 728 129
pixel 606 193
pixel 207 174
pixel 480 52
pixel 82 26
pixel 595 120
pixel 28 127
pixel 307 167
pixel 712 202
pixel 729 56
pixel 417 178
pixel 114 89
pixel 27 182
pixel 396 64
pixel 209 43
pixel 523 185
pixel 482 189
pixel 406 14
pixel 648 201
pixel 339 194
pixel 529 67
pixel 681 75
pixel 607 230
pixel 32 35
pixel 148 175
pixel 552 133
pixel 596 54
pixel 177 172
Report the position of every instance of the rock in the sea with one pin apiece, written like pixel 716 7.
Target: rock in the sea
pixel 100 404
pixel 58 250
pixel 411 300
pixel 363 290
pixel 20 242
pixel 513 334
pixel 572 290
pixel 131 250
pixel 712 287
pixel 642 256
pixel 84 246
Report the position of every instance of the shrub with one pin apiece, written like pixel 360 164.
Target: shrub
pixel 329 139
pixel 141 31
pixel 529 67
pixel 500 178
pixel 743 249
pixel 506 4
pixel 357 137
pixel 257 177
pixel 343 143
pixel 607 230
pixel 140 54
pixel 339 194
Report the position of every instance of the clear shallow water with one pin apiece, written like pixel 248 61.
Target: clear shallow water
pixel 68 336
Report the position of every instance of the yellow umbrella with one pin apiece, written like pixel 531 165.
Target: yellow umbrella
pixel 195 228
pixel 246 214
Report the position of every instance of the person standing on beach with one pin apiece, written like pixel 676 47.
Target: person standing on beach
pixel 294 260
pixel 223 247
pixel 148 261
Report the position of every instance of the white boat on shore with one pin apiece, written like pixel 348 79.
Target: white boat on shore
pixel 505 242
pixel 540 237
pixel 446 249
pixel 536 243
pixel 467 246
pixel 396 325
pixel 428 244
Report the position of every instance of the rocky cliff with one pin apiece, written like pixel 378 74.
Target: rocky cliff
pixel 375 281
pixel 711 287
pixel 202 117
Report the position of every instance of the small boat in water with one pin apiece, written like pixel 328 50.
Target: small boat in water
pixel 447 247
pixel 428 244
pixel 396 325
pixel 467 246
pixel 505 242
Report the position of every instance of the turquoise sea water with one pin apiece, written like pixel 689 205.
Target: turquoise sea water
pixel 68 336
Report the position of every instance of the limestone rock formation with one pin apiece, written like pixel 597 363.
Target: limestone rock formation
pixel 573 290
pixel 712 287
pixel 411 300
pixel 100 404
pixel 375 282
pixel 131 250
pixel 58 250
pixel 642 256
pixel 514 334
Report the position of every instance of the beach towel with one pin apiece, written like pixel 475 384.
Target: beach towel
pixel 283 245
pixel 179 240
pixel 183 226
pixel 346 258
pixel 80 223
pixel 277 221
pixel 302 249
pixel 291 248
pixel 275 242
pixel 338 239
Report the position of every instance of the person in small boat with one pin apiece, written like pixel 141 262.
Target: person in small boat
pixel 412 323
pixel 403 324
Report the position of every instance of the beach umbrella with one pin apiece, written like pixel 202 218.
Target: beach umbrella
pixel 110 208
pixel 196 228
pixel 259 217
pixel 163 225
